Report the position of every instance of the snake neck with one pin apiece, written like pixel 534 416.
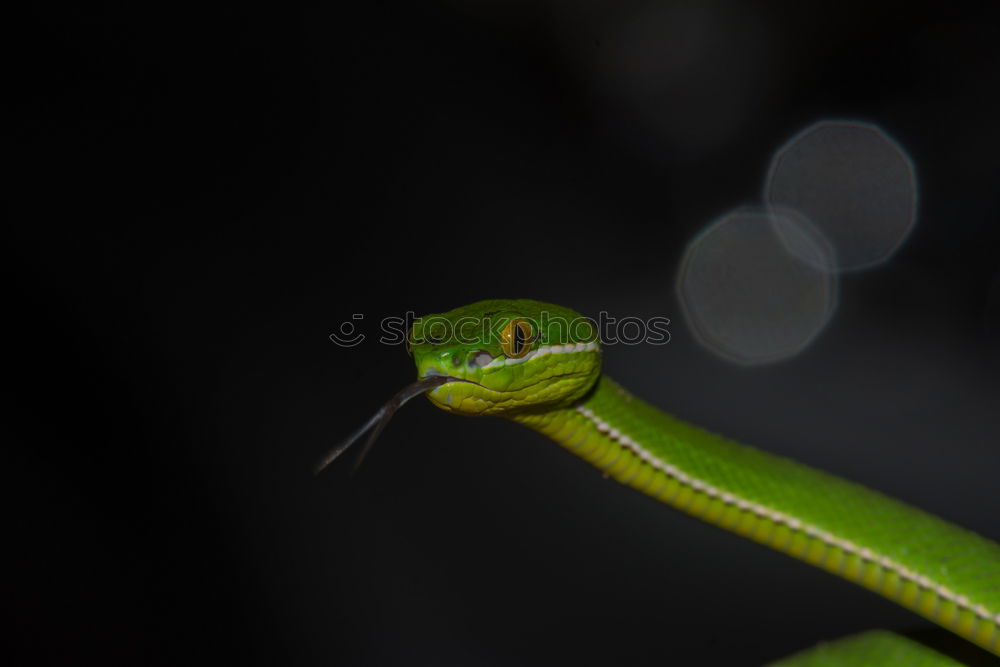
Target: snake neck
pixel 945 573
pixel 621 435
pixel 581 428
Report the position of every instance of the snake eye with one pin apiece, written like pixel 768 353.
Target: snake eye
pixel 516 338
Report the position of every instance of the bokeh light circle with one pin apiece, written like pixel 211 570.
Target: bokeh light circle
pixel 747 293
pixel 853 182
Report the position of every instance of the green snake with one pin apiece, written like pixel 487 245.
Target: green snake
pixel 539 365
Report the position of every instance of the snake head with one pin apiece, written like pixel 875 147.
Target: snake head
pixel 492 358
pixel 504 357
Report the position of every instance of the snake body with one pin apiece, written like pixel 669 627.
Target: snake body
pixel 540 365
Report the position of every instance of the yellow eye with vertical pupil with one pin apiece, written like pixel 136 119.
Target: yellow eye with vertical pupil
pixel 516 338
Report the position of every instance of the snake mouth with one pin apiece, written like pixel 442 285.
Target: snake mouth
pixel 437 379
pixel 431 380
pixel 378 421
pixel 448 379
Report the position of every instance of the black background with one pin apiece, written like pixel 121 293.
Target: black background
pixel 198 197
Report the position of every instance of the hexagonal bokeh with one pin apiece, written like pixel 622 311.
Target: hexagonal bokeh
pixel 747 293
pixel 853 182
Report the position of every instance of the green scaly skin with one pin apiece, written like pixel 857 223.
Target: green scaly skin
pixel 944 573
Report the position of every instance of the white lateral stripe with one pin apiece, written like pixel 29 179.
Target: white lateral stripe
pixel 777 517
pixel 542 351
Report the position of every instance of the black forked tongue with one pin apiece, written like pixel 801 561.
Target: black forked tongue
pixel 379 420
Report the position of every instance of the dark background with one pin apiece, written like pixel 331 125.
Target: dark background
pixel 198 197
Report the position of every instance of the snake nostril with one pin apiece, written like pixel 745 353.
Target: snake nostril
pixel 456 361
